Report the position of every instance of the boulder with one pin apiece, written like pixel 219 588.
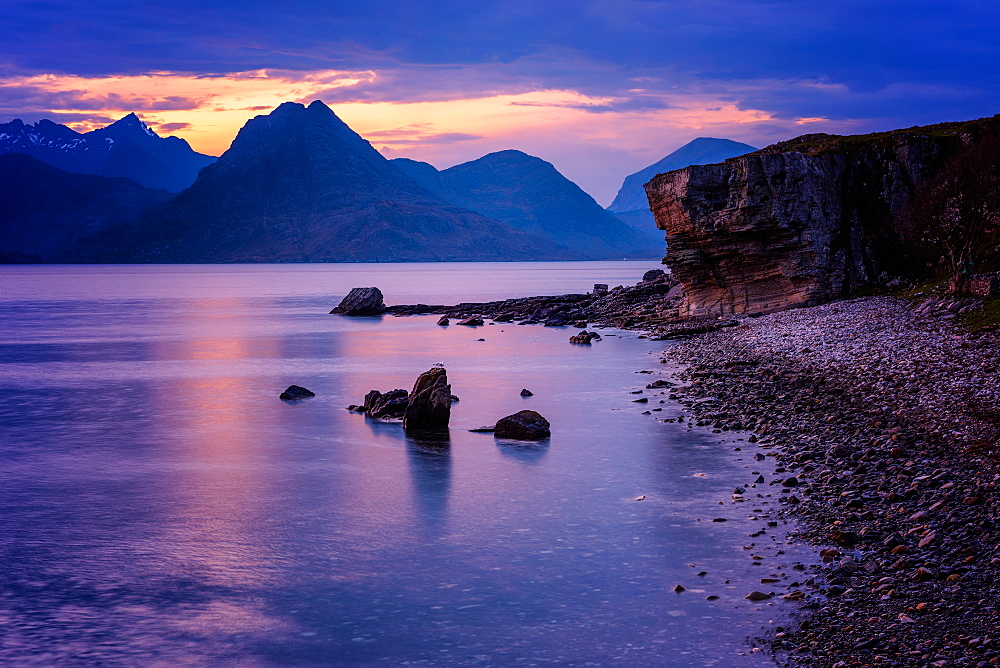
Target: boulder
pixel 524 426
pixel 444 321
pixel 391 405
pixel 653 274
pixel 295 392
pixel 429 406
pixel 585 337
pixel 600 289
pixel 472 322
pixel 361 301
pixel 527 393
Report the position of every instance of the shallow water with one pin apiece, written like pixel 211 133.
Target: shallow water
pixel 161 505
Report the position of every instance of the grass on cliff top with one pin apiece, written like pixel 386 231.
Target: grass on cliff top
pixel 815 144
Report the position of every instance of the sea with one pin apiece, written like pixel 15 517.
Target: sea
pixel 160 505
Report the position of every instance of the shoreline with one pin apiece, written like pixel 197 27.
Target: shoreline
pixel 887 423
pixel 884 419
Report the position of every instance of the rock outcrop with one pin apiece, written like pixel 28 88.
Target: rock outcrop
pixel 295 393
pixel 429 407
pixel 390 405
pixel 361 301
pixel 524 426
pixel 798 223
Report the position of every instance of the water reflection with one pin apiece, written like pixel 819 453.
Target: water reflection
pixel 522 451
pixel 430 474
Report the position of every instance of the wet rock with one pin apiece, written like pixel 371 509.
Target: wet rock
pixel 524 425
pixel 429 407
pixel 472 322
pixel 585 337
pixel 443 321
pixel 757 596
pixel 296 392
pixel 361 301
pixel 527 393
pixel 653 274
pixel 391 405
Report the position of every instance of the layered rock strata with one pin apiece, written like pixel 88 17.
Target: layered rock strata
pixel 798 223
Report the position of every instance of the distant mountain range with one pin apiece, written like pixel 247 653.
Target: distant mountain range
pixel 125 148
pixel 298 185
pixel 631 205
pixel 51 215
pixel 530 195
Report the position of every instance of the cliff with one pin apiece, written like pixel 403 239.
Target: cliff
pixel 802 222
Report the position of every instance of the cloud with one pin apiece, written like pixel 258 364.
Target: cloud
pixel 172 127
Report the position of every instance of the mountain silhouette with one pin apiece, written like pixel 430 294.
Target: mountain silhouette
pixel 298 185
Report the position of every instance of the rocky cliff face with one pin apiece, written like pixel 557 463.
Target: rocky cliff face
pixel 797 223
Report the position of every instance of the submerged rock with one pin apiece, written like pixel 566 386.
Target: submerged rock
pixel 429 407
pixel 295 392
pixel 361 301
pixel 585 337
pixel 523 425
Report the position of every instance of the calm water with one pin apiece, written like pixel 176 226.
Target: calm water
pixel 160 505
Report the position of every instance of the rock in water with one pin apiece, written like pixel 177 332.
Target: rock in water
pixel 294 392
pixel 524 426
pixel 443 321
pixel 392 404
pixel 585 337
pixel 527 393
pixel 429 408
pixel 361 301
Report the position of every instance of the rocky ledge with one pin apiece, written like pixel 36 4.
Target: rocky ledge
pixel 651 304
pixel 886 420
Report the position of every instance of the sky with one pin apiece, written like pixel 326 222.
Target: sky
pixel 599 88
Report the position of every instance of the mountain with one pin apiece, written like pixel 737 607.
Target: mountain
pixel 529 194
pixel 298 185
pixel 50 215
pixel 125 148
pixel 630 203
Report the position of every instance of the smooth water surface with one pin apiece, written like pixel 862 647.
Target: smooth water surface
pixel 160 504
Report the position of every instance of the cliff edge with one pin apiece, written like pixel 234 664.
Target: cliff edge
pixel 801 222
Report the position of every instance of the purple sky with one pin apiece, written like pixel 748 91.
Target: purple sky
pixel 599 88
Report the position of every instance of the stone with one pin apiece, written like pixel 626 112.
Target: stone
pixel 443 321
pixel 524 425
pixel 391 405
pixel 600 289
pixel 585 337
pixel 472 322
pixel 985 285
pixel 757 596
pixel 296 392
pixel 527 393
pixel 653 274
pixel 361 301
pixel 429 407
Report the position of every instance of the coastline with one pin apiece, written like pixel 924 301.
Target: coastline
pixel 886 420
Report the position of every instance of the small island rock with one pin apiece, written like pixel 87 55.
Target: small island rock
pixel 527 393
pixel 361 301
pixel 443 321
pixel 473 322
pixel 429 407
pixel 294 392
pixel 523 425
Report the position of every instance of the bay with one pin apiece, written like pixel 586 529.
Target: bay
pixel 161 505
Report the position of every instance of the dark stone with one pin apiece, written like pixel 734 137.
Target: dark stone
pixel 444 321
pixel 390 405
pixel 472 322
pixel 523 425
pixel 361 301
pixel 585 337
pixel 527 393
pixel 295 392
pixel 653 274
pixel 429 408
